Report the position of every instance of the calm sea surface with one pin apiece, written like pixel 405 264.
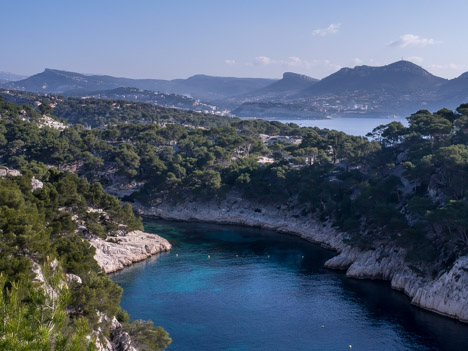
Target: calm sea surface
pixel 260 290
pixel 352 126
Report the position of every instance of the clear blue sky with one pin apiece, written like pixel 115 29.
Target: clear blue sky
pixel 244 38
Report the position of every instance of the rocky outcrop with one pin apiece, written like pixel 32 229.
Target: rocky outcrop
pixel 47 121
pixel 115 253
pixel 118 339
pixel 447 294
pixel 6 172
pixel 121 340
pixel 36 184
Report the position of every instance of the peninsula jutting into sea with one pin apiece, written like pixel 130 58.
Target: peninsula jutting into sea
pixel 268 177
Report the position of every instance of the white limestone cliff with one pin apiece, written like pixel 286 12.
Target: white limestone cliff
pixel 115 253
pixel 446 294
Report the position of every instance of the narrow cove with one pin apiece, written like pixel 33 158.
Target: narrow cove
pixel 235 288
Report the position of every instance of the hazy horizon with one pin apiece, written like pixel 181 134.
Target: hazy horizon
pixel 170 40
pixel 203 74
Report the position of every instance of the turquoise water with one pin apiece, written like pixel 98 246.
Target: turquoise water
pixel 260 290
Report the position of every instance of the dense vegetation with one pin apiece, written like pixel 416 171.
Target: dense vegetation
pixel 36 228
pixel 93 112
pixel 404 185
pixel 41 233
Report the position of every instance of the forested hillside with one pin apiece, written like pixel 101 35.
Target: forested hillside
pixel 93 112
pixel 53 294
pixel 397 185
pixel 404 185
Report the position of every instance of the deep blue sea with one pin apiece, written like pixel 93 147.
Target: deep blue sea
pixel 234 288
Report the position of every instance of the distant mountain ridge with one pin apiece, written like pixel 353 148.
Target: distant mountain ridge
pixel 393 90
pixel 396 89
pixel 456 85
pixel 199 86
pixel 291 84
pixel 402 76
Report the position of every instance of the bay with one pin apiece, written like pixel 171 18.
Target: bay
pixel 235 288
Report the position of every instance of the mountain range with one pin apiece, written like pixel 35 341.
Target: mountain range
pixel 401 76
pixel 396 89
pixel 199 86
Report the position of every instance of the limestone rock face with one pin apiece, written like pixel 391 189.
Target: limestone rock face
pixel 237 211
pixel 344 260
pixel 36 184
pixel 115 253
pixel 377 264
pixel 73 279
pixel 121 340
pixel 6 172
pixel 103 345
pixel 447 294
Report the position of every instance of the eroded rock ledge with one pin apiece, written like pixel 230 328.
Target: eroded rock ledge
pixel 446 294
pixel 115 253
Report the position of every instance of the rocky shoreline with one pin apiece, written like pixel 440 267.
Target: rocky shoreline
pixel 115 253
pixel 446 294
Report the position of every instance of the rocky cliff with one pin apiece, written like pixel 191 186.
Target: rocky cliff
pixel 114 253
pixel 445 294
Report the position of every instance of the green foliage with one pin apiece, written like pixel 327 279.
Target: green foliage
pixel 35 317
pixel 38 227
pixel 97 293
pixel 431 125
pixel 406 185
pixel 99 112
pixel 147 337
pixel 76 255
